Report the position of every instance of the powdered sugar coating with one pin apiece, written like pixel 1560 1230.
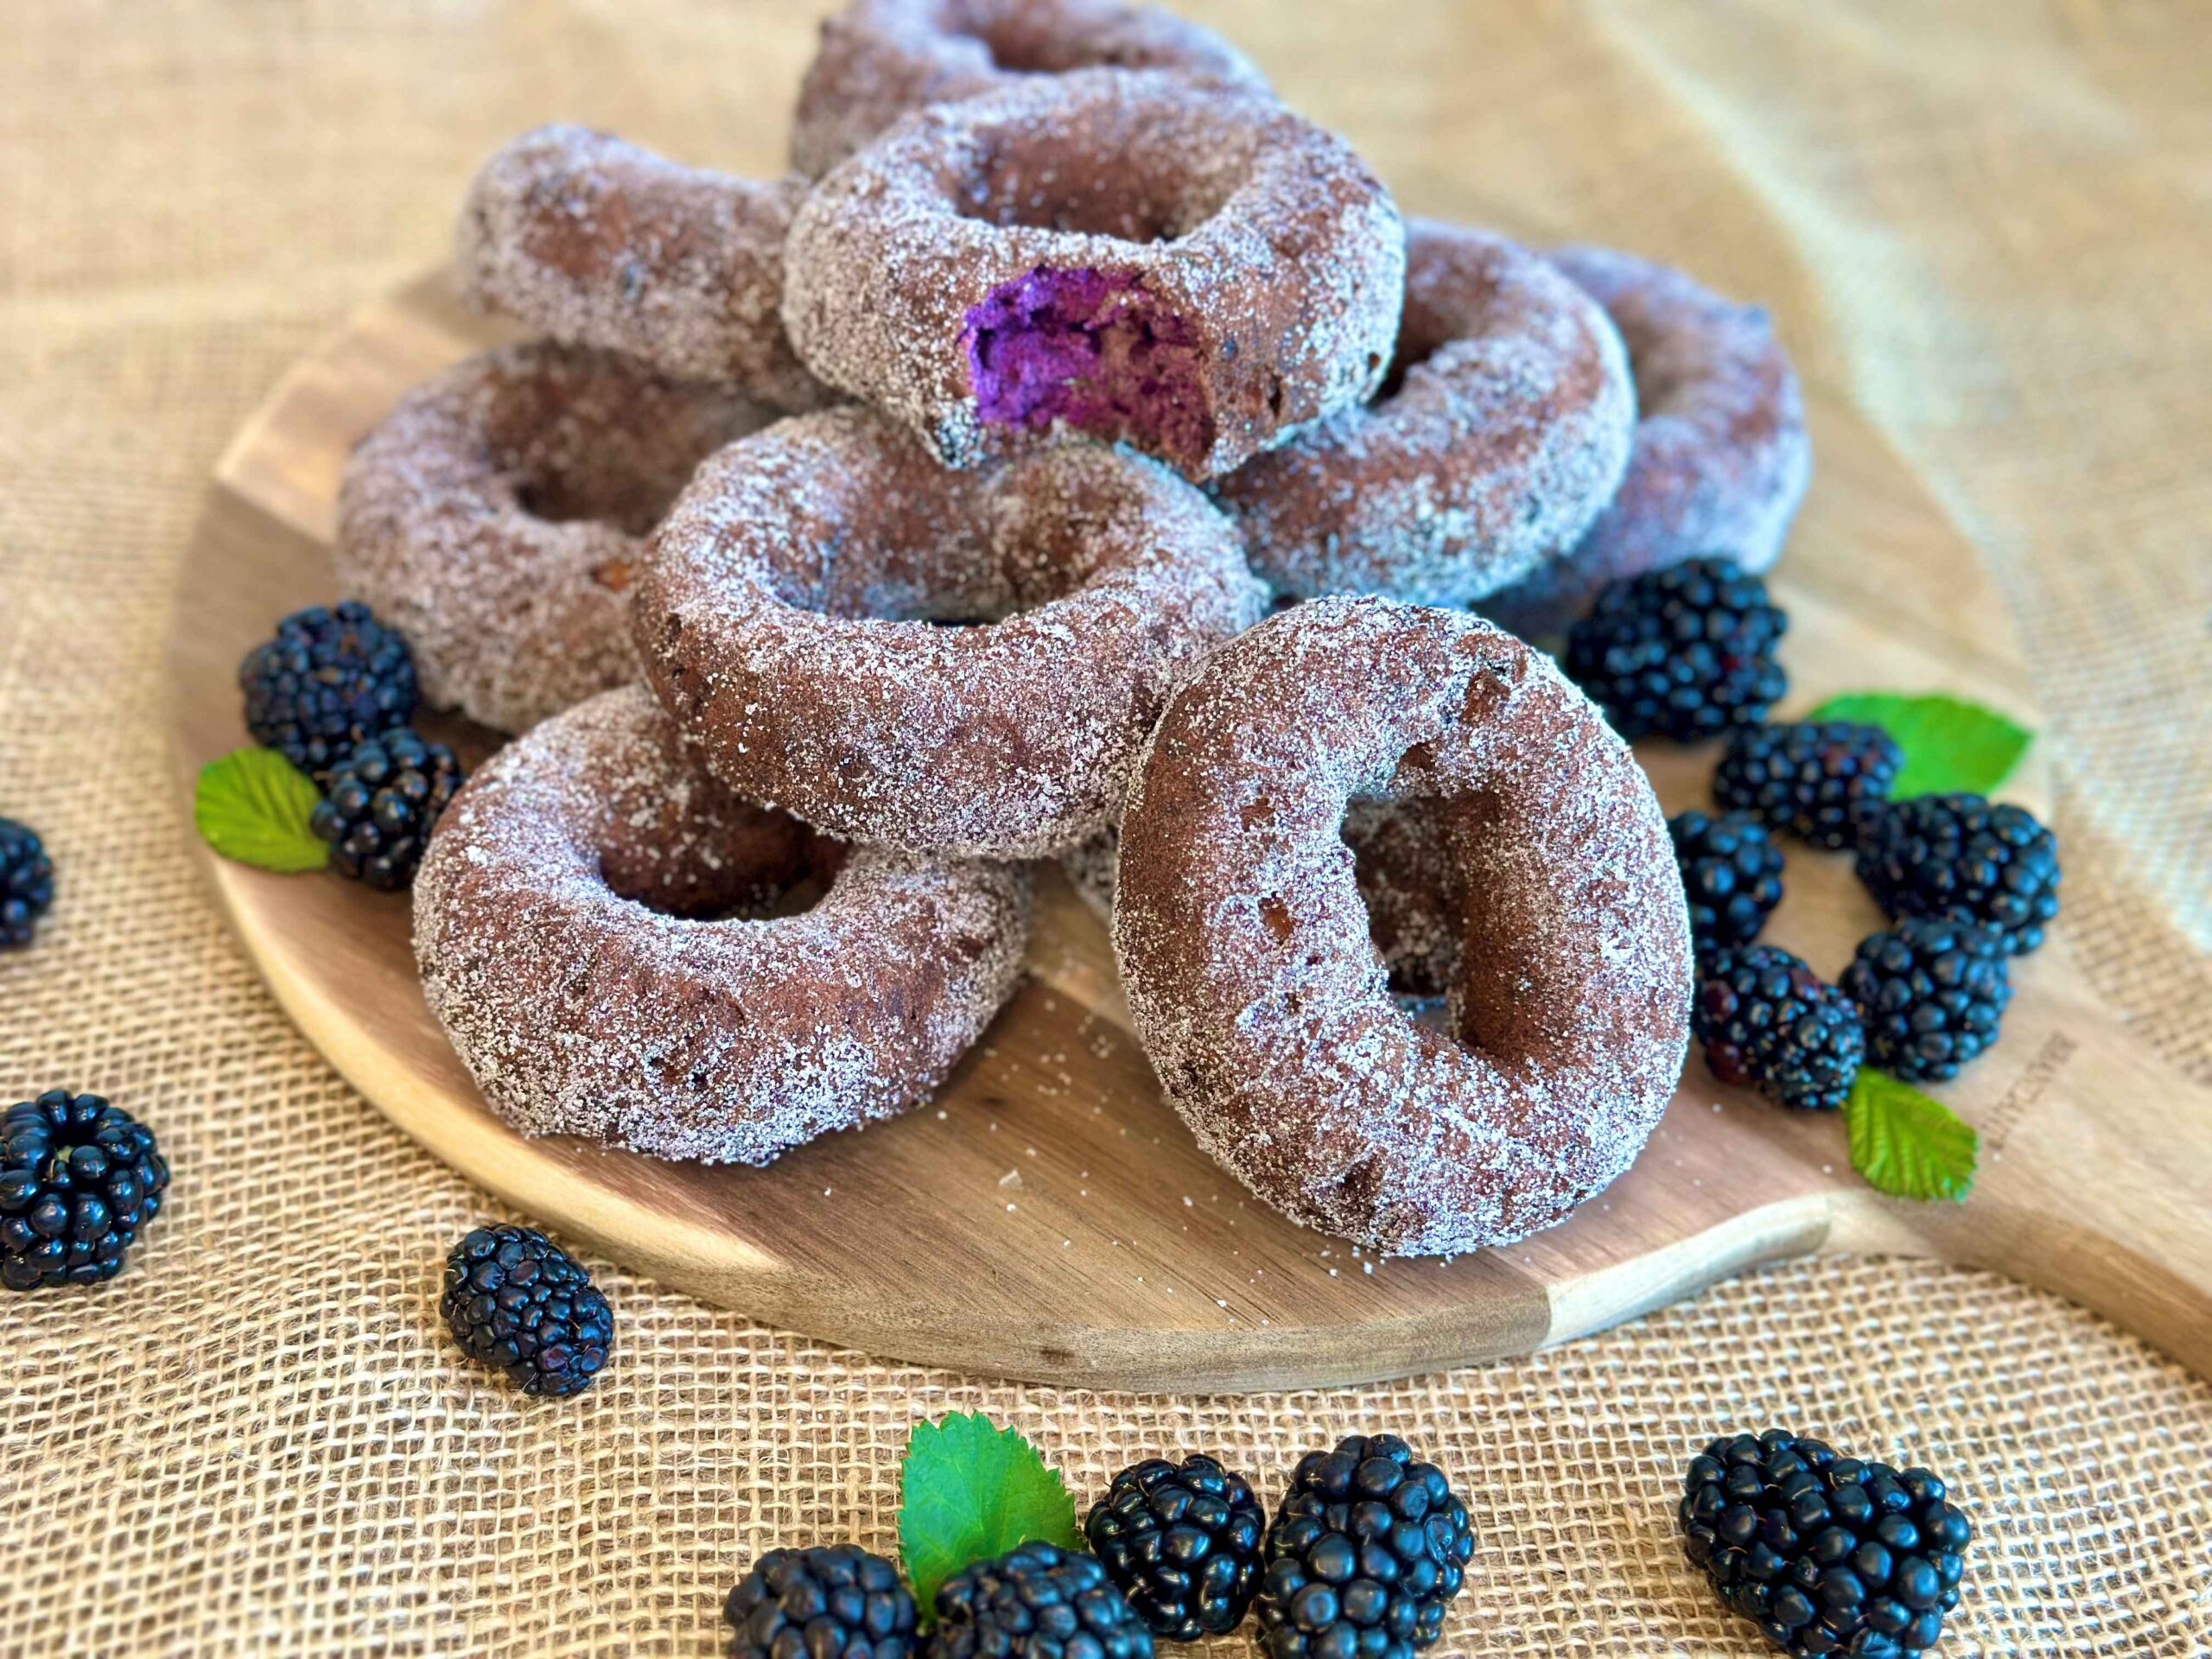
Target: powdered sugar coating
pixel 1243 940
pixel 1721 458
pixel 1254 239
pixel 878 59
pixel 498 516
pixel 595 241
pixel 582 1006
pixel 786 620
pixel 1508 433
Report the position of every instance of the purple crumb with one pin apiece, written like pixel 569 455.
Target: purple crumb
pixel 1096 349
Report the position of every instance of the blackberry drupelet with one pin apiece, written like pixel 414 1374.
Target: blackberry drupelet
pixel 1827 1554
pixel 1366 1551
pixel 516 1302
pixel 26 883
pixel 1769 1022
pixel 332 678
pixel 1820 781
pixel 1183 1542
pixel 1685 652
pixel 834 1603
pixel 79 1179
pixel 1959 857
pixel 1037 1602
pixel 1930 993
pixel 1731 875
pixel 381 803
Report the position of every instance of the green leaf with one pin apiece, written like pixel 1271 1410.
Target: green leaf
pixel 252 806
pixel 1951 746
pixel 972 1491
pixel 1907 1144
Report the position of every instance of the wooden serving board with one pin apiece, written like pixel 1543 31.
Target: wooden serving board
pixel 1049 1217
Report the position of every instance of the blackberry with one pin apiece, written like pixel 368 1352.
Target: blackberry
pixel 1769 1022
pixel 1827 1554
pixel 1819 781
pixel 516 1302
pixel 332 678
pixel 79 1179
pixel 1038 1602
pixel 1366 1551
pixel 1930 993
pixel 1685 652
pixel 837 1603
pixel 1732 874
pixel 26 883
pixel 1183 1542
pixel 379 806
pixel 1958 857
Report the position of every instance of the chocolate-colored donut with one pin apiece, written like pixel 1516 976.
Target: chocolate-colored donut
pixel 1125 254
pixel 1244 944
pixel 592 240
pixel 881 57
pixel 498 513
pixel 1721 459
pixel 785 617
pixel 572 925
pixel 1506 432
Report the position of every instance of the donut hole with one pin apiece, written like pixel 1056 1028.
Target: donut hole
pixel 1024 40
pixel 1096 350
pixel 576 446
pixel 1406 879
pixel 742 863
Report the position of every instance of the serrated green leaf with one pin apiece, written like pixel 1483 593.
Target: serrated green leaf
pixel 252 806
pixel 1908 1144
pixel 1951 746
pixel 970 1491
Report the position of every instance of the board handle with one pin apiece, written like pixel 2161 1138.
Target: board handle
pixel 2095 1180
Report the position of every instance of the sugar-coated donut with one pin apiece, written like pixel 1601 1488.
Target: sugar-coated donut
pixel 788 618
pixel 1721 458
pixel 498 516
pixel 881 57
pixel 572 925
pixel 1504 434
pixel 1404 871
pixel 592 240
pixel 1244 945
pixel 1124 254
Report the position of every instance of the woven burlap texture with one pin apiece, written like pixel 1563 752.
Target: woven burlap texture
pixel 1984 222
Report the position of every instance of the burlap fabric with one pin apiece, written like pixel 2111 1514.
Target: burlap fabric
pixel 1986 222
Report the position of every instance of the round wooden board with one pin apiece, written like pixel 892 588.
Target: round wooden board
pixel 1049 1217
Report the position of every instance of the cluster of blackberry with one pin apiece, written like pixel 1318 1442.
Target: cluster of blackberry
pixel 1688 654
pixel 1366 1551
pixel 333 692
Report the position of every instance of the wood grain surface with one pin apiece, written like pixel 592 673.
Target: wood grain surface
pixel 1049 1217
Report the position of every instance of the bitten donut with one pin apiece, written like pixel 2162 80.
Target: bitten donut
pixel 1244 943
pixel 1506 433
pixel 1123 254
pixel 596 242
pixel 573 925
pixel 788 618
pixel 1720 460
pixel 497 517
pixel 881 57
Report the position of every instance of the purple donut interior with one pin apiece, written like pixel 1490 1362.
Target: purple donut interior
pixel 1098 350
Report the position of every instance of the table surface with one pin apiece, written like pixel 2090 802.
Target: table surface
pixel 1976 222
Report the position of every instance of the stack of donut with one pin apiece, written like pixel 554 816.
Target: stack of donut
pixel 849 542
